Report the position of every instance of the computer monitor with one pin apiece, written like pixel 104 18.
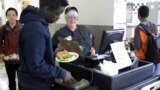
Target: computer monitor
pixel 108 37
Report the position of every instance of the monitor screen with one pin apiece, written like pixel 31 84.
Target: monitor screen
pixel 108 37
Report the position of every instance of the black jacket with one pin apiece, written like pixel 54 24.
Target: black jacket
pixel 81 35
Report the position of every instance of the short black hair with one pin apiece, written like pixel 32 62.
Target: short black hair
pixel 53 4
pixel 70 8
pixel 143 11
pixel 11 9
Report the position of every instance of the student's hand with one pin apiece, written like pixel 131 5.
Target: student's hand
pixel 59 48
pixel 68 79
pixel 92 51
pixel 1 56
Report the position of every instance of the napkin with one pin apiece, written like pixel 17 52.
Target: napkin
pixel 109 68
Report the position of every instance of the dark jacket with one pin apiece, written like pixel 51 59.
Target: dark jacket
pixel 81 35
pixel 9 39
pixel 37 64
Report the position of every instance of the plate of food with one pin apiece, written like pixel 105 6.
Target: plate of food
pixel 11 57
pixel 65 56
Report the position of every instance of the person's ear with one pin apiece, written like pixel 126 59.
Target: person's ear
pixel 45 9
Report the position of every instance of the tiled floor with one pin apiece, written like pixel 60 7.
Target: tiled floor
pixel 3 78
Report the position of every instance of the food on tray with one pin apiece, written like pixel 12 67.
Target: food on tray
pixel 11 57
pixel 64 55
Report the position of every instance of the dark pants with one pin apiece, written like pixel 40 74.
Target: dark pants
pixel 28 88
pixel 11 70
pixel 55 87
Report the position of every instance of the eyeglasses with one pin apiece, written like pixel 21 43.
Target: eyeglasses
pixel 71 17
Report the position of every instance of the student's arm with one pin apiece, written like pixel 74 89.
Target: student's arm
pixel 1 41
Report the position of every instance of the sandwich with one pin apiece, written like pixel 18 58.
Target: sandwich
pixel 64 55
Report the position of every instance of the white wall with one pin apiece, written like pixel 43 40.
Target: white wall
pixel 93 12
pixel 34 3
pixel 0 13
pixel 120 15
pixel 154 12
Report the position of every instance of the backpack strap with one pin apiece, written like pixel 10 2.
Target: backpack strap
pixel 148 30
pixel 145 28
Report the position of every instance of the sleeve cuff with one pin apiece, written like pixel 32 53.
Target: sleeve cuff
pixel 62 73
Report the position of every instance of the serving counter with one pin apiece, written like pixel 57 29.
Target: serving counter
pixel 127 77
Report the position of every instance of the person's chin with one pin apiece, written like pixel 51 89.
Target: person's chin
pixel 54 21
pixel 73 24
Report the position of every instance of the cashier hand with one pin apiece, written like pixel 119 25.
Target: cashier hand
pixel 92 51
pixel 68 79
pixel 1 56
pixel 59 48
